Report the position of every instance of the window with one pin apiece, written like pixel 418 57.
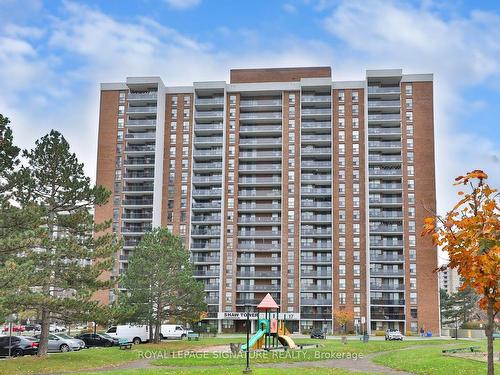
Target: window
pixel 122 96
pixel 355 123
pixel 341 96
pixel 357 284
pixel 342 269
pixel 413 298
pixel 120 123
pixel 356 270
pixel 341 123
pixel 342 284
pixel 413 269
pixel 342 202
pixel 411 170
pixel 341 110
pixel 355 96
pixel 355 135
pixel 409 142
pixel 187 100
pixel 357 298
pixel 341 149
pixel 355 148
pixel 355 109
pixel 355 201
pixel 414 314
pixel 121 109
pixel 409 116
pixel 342 298
pixel 341 136
pixel 409 89
pixel 413 283
pixel 409 103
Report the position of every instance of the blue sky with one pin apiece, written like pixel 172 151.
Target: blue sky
pixel 53 54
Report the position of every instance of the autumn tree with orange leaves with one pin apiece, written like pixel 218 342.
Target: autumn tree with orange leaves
pixel 470 234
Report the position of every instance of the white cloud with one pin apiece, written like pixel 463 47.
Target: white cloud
pixel 462 52
pixel 182 4
pixel 289 8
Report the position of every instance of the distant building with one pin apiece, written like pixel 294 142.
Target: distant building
pixel 449 280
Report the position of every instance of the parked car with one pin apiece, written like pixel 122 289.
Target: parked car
pixel 56 328
pixel 17 328
pixel 393 334
pixel 132 333
pixel 97 339
pixel 80 343
pixel 32 327
pixel 60 343
pixel 318 334
pixel 173 331
pixel 19 346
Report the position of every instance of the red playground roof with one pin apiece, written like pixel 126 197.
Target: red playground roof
pixel 268 303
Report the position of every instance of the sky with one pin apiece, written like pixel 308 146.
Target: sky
pixel 54 54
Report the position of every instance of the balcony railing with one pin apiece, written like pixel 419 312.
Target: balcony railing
pixel 207 139
pixel 205 245
pixel 138 188
pixel 208 153
pixel 387 316
pixel 261 128
pixel 316 111
pixel 205 232
pixel 260 167
pixel 260 233
pixel 271 260
pixel 259 141
pixel 140 135
pixel 386 228
pixel 308 204
pixel 210 101
pixel 259 246
pixel 316 316
pixel 137 202
pixel 316 191
pixel 260 154
pixel 316 137
pixel 383 103
pixel 133 215
pixel 316 273
pixel 260 115
pixel 260 102
pixel 260 180
pixel 384 131
pixel 260 206
pixel 146 148
pixel 200 179
pixel 316 245
pixel 206 218
pixel 316 164
pixel 208 114
pixel 315 302
pixel 316 125
pixel 141 122
pixel 313 288
pixel 385 186
pixel 384 144
pixel 315 259
pixel 150 95
pixel 206 259
pixel 384 172
pixel 386 272
pixel 316 99
pixel 324 218
pixel 138 175
pixel 383 90
pixel 387 287
pixel 316 232
pixel 385 117
pixel 139 161
pixel 259 219
pixel 385 214
pixel 386 243
pixel 265 274
pixel 385 158
pixel 209 205
pixel 141 109
pixel 387 258
pixel 257 288
pixel 258 193
pixel 377 301
pixel 386 200
pixel 207 192
pixel 215 127
pixel 317 150
pixel 207 166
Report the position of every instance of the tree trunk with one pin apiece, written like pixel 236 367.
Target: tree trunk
pixel 44 334
pixel 489 335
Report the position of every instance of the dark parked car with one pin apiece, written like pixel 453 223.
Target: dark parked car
pixel 19 346
pixel 32 327
pixel 97 339
pixel 318 334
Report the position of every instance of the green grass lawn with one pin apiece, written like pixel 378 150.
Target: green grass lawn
pixel 233 371
pixel 93 359
pixel 431 361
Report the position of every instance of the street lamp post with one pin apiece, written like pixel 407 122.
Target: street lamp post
pixel 248 370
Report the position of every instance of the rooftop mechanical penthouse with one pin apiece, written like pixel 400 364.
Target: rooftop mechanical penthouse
pixel 283 182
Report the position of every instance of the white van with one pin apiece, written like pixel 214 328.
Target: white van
pixel 173 331
pixel 133 333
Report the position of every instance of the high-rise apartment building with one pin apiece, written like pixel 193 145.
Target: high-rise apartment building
pixel 283 182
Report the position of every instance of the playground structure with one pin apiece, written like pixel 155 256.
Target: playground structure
pixel 271 331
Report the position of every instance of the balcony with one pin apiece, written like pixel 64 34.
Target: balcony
pixel 316 259
pixel 247 301
pixel 150 95
pixel 386 229
pixel 316 125
pixel 385 158
pixel 207 140
pixel 257 261
pixel 205 246
pixel 206 218
pixel 137 148
pixel 141 175
pixel 260 246
pixel 211 286
pixel 212 301
pixel 148 109
pixel 259 193
pixel 260 116
pixel 137 215
pixel 316 99
pixel 207 273
pixel 316 232
pixel 260 129
pixel 385 186
pixel 386 200
pixel 259 180
pixel 316 164
pixel 386 258
pixel 378 316
pixel 316 273
pixel 316 246
pixel 389 287
pixel 316 112
pixel 258 288
pixel 260 233
pixel 259 167
pixel 259 220
pixel 137 202
pixel 260 154
pixel 383 90
pixel 384 144
pixel 389 117
pixel 215 260
pixel 206 192
pixel 138 188
pixel 317 204
pixel 139 161
pixel 316 316
pixel 315 288
pixel 316 218
pixel 260 103
pixel 315 302
pixel 386 272
pixel 207 179
pixel 384 103
pixel 390 302
pixel 385 172
pixel 316 138
pixel 260 141
pixel 217 101
pixel 208 114
pixel 259 274
pixel 207 205
pixel 207 166
pixel 208 127
pixel 317 150
pixel 259 206
pixel 214 153
pixel 136 229
pixel 316 191
pixel 206 232
pixel 386 214
pixel 386 243
pixel 130 136
pixel 141 122
pixel 384 131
